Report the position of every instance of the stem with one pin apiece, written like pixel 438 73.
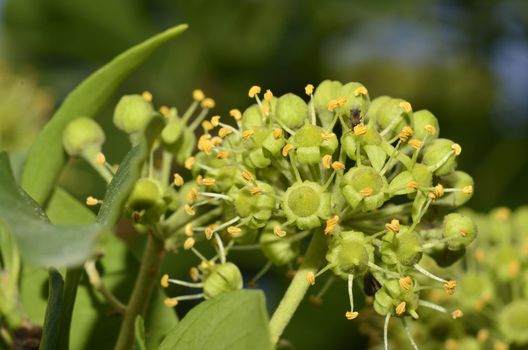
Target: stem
pixel 147 278
pixel 299 285
pixel 71 282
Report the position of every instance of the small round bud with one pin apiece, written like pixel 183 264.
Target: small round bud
pixel 393 114
pixel 349 253
pixel 327 91
pixel 222 278
pixel 133 113
pixel 291 110
pixel 436 151
pixel 404 247
pixel 425 125
pixel 82 135
pixel 146 194
pixel 257 209
pixel 306 204
pixel 513 322
pixel 363 187
pixel 460 230
pixel 460 180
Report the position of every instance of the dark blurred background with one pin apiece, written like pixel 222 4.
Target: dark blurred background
pixel 466 61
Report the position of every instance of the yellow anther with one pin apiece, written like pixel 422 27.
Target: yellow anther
pixel 100 159
pixel 208 103
pixel 449 287
pixel 253 91
pixel 205 144
pixel 235 113
pixel 190 211
pixel 327 160
pixel 350 315
pixel 341 101
pixel 255 190
pixel 360 91
pixel 310 277
pixel 308 89
pixel 483 335
pixel 277 230
pixel 457 149
pixel 91 201
pixel 147 96
pixel 463 232
pixel 457 314
pixel 234 231
pixel 224 131
pixel 189 230
pixel 360 129
pixel 208 181
pixel 170 302
pixel 215 120
pixel 413 185
pixel 406 283
pixel 416 144
pixel 178 180
pixel 393 226
pixel 405 133
pixel 338 165
pixel 246 134
pixel 189 162
pixel 503 213
pixel 430 129
pixel 247 176
pixel 164 281
pixel 210 230
pixel 194 273
pixel 400 308
pixel 406 106
pixel 327 136
pixel 277 133
pixel 207 125
pixel 437 192
pixel 480 256
pixel 222 154
pixel 268 95
pixel 366 192
pixel 189 243
pixel 164 110
pixel 332 105
pixel 199 180
pixel 331 224
pixel 198 95
pixel 500 345
pixel 286 149
pixel 266 108
pixel 467 190
pixel 192 196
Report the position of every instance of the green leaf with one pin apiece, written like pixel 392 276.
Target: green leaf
pixel 39 241
pixel 139 333
pixel 129 171
pixel 235 321
pixel 46 157
pixel 51 328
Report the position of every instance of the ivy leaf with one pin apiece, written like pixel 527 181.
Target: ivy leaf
pixel 234 320
pixel 46 157
pixel 39 241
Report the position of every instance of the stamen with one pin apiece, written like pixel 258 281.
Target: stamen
pixel 234 231
pixel 235 113
pixel 366 192
pixel 224 131
pixel 207 103
pixel 208 181
pixel 429 274
pixel 400 308
pixel 207 125
pixel 413 185
pixel 165 111
pixel 406 106
pixel 222 154
pixel 326 161
pixel 164 281
pixel 277 133
pixel 189 230
pixel 350 315
pixel 220 248
pixel 467 190
pixel 393 226
pixel 198 95
pixel 331 224
pixel 327 136
pixel 406 283
pixel 246 134
pixel 215 120
pixel 100 159
pixel 286 149
pixel 209 230
pixel 341 101
pixel 254 90
pixel 268 95
pixel 278 231
pixel 332 105
pixel 308 89
pixel 338 166
pixel 449 287
pixel 189 162
pixel 91 201
pixel 457 314
pixel 194 273
pixel 360 91
pixel 386 331
pixel 360 129
pixel 430 129
pixel 178 180
pixel 190 211
pixel 408 333
pixel 192 196
pixel 247 176
pixel 147 96
pixel 310 277
pixel 189 243
pixel 416 144
pixel 457 149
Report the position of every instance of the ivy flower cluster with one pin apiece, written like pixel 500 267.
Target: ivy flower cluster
pixel 372 178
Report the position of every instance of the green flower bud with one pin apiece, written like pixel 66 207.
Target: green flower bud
pixel 374 107
pixel 83 136
pixel 437 152
pixel 364 188
pixel 460 180
pixel 256 154
pixel 513 322
pixel 404 247
pixel 356 96
pixel 291 111
pixel 326 91
pixel 252 117
pixel 279 251
pixel 395 114
pixel 222 278
pixel 423 119
pixel 146 194
pixel 307 143
pixel 133 113
pixel 272 145
pixel 255 207
pixel 476 290
pixel 306 203
pixel 349 253
pixel 392 298
pixel 460 231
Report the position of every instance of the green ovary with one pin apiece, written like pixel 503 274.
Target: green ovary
pixel 304 201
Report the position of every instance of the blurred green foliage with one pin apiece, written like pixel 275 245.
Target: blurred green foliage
pixel 446 56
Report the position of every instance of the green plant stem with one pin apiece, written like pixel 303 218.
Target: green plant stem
pixel 71 282
pixel 139 300
pixel 299 285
